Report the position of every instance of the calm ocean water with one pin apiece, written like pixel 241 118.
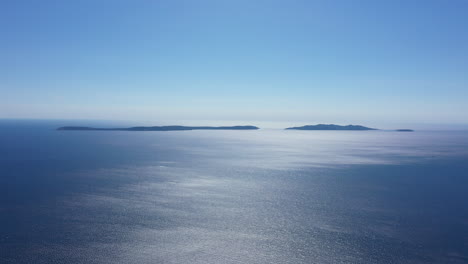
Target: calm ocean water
pixel 266 196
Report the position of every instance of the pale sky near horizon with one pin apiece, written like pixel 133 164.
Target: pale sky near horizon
pixel 365 62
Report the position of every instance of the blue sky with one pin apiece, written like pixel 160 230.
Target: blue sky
pixel 369 62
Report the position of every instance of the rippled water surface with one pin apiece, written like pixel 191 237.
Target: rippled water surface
pixel 266 196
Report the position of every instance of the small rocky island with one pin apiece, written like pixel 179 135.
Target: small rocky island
pixel 331 127
pixel 404 130
pixel 159 128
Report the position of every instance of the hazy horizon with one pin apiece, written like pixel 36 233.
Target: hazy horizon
pixel 261 124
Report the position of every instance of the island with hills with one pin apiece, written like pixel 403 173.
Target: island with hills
pixel 158 128
pixel 331 127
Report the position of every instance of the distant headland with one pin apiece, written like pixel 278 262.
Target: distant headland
pixel 160 128
pixel 331 127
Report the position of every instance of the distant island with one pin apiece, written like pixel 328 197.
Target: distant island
pixel 331 127
pixel 159 128
pixel 182 128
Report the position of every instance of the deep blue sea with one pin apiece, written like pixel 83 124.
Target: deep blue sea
pixel 265 196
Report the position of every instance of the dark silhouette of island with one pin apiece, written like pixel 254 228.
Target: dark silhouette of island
pixel 160 128
pixel 332 127
pixel 405 130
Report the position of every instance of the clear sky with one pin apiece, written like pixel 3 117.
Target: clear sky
pixel 352 61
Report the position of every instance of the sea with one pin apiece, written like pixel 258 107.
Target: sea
pixel 262 196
